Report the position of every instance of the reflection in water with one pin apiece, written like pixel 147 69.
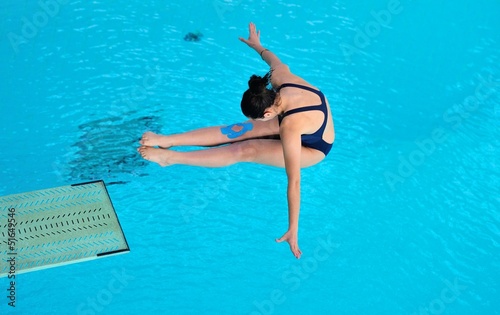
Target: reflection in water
pixel 107 149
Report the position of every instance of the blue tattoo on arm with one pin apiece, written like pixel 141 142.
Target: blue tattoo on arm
pixel 242 128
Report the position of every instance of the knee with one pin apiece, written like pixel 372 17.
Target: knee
pixel 244 151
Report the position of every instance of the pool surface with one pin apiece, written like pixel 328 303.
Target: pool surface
pixel 401 218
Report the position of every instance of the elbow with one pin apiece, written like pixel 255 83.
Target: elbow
pixel 294 182
pixel 293 176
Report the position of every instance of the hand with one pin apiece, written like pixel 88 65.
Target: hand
pixel 254 37
pixel 292 239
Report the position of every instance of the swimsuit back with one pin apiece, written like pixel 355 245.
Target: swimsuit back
pixel 314 140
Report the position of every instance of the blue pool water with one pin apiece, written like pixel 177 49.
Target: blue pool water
pixel 401 218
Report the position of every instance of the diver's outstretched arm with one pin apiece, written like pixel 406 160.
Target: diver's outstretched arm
pixel 254 42
pixel 281 72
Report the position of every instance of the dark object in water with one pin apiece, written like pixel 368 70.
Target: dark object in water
pixel 193 37
pixel 106 149
pixel 116 183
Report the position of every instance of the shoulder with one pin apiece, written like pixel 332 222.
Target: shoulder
pixel 292 125
pixel 281 68
pixel 281 74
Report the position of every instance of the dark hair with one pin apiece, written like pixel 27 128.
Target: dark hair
pixel 258 97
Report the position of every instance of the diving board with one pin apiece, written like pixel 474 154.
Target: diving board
pixel 58 226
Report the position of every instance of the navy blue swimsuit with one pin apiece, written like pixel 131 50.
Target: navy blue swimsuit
pixel 314 140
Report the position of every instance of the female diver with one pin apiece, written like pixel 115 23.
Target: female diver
pixel 293 109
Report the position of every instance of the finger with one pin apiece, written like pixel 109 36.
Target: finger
pixel 279 240
pixel 297 252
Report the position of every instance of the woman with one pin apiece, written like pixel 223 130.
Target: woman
pixel 295 110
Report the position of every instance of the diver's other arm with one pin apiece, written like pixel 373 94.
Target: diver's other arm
pixel 290 136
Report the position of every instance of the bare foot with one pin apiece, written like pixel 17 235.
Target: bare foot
pixel 152 139
pixel 160 156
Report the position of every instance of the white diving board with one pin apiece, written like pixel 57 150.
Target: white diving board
pixel 58 226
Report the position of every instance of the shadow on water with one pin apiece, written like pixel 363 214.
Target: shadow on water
pixel 107 149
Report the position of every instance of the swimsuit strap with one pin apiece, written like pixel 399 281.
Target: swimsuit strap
pixel 303 109
pixel 320 107
pixel 300 86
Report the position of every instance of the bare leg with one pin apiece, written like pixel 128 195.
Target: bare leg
pixel 212 136
pixel 268 152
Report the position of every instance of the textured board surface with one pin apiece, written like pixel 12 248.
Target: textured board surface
pixel 57 226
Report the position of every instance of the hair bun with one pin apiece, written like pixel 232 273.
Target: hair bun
pixel 257 84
